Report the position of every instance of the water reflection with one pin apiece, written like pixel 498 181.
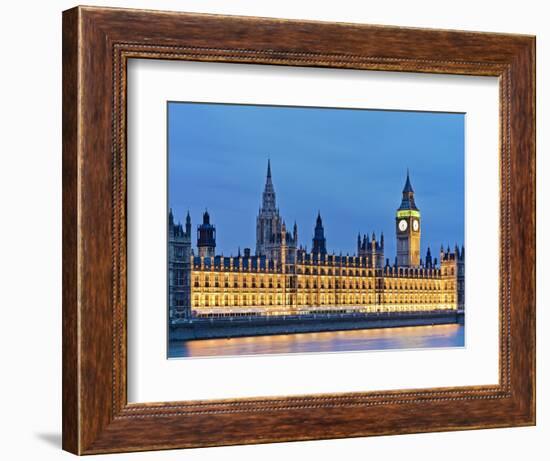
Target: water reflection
pixel 333 341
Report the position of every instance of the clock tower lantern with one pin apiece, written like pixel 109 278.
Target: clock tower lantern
pixel 407 228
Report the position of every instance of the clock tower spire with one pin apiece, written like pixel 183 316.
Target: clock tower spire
pixel 407 228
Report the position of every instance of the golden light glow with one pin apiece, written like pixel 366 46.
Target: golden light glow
pixel 408 213
pixel 309 289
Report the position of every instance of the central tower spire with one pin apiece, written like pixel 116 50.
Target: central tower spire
pixel 268 222
pixel 268 198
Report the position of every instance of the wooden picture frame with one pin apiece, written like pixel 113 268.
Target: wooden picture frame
pixel 97 43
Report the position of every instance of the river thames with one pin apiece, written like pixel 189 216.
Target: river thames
pixel 418 337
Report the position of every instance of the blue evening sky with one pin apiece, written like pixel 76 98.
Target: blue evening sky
pixel 349 164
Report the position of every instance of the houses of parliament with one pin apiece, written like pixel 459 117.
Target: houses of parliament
pixel 282 278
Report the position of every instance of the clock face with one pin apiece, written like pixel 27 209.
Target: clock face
pixel 402 225
pixel 415 225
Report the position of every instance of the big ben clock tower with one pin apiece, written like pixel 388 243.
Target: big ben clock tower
pixel 407 228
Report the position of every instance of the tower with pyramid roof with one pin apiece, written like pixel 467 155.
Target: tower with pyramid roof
pixel 407 228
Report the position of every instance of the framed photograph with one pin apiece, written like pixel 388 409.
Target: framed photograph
pixel 281 230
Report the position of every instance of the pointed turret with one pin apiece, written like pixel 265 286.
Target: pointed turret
pixel 319 241
pixel 428 258
pixel 206 237
pixel 188 224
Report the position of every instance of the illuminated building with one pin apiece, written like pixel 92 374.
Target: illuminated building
pixel 282 278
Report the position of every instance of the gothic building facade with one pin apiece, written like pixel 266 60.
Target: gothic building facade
pixel 284 278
